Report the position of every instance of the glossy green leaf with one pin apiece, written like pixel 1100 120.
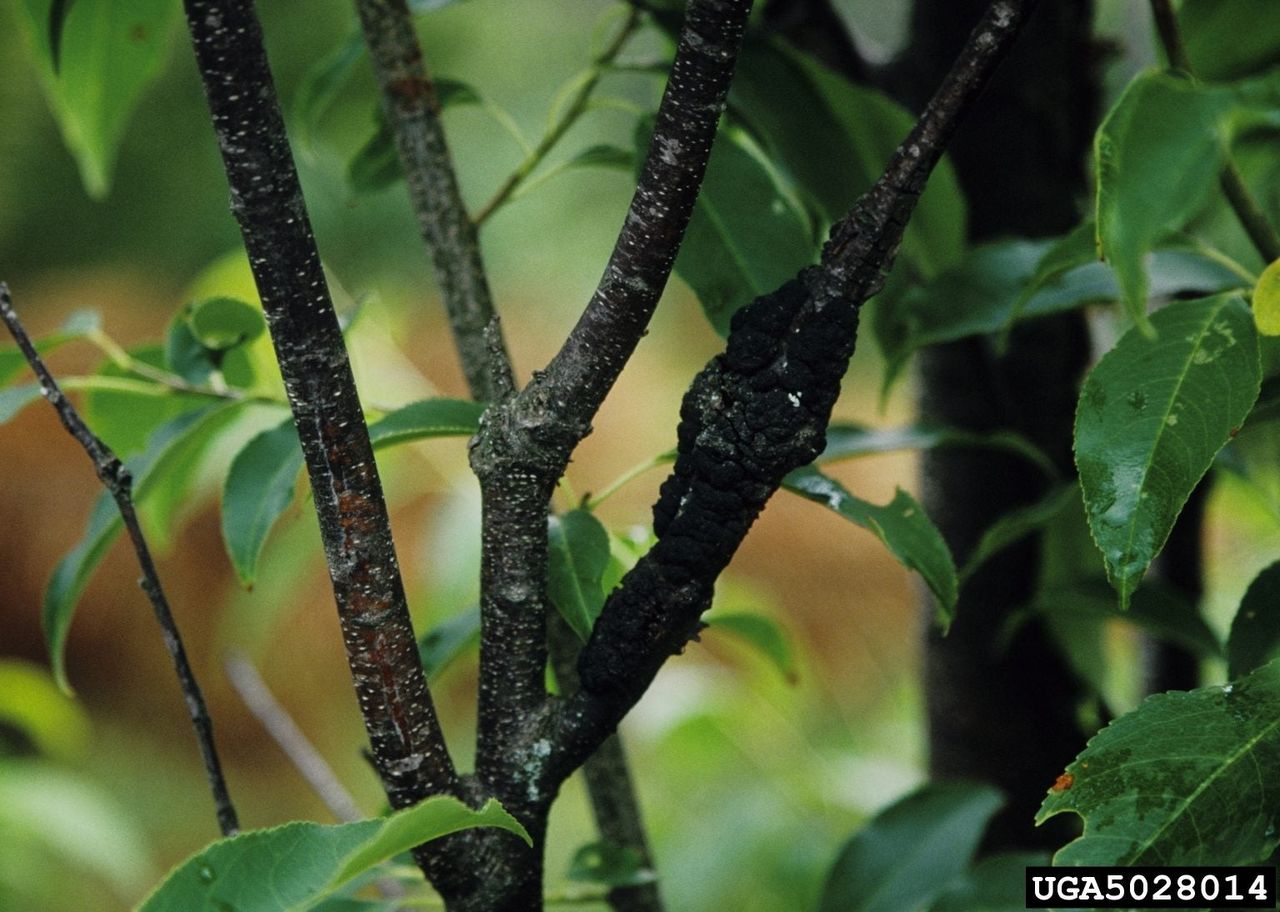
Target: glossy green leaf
pixel 763 634
pixel 31 703
pixel 986 293
pixel 835 138
pixel 428 418
pixel 1016 525
pixel 449 640
pixel 291 867
pixel 1227 39
pixel 1158 156
pixel 577 554
pixel 609 865
pixel 846 441
pixel 1255 632
pixel 909 853
pixel 1152 414
pixel 86 830
pixel 747 234
pixel 109 51
pixel 222 323
pixel 1189 778
pixel 996 884
pixel 902 525
pixel 258 489
pixel 71 575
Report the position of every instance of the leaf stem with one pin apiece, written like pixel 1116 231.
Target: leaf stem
pixel 573 109
pixel 119 483
pixel 125 361
pixel 629 475
pixel 1249 213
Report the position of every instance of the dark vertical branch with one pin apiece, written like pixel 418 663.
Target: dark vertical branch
pixel 759 411
pixel 613 797
pixel 1028 141
pixel 525 440
pixel 116 479
pixel 410 104
pixel 408 745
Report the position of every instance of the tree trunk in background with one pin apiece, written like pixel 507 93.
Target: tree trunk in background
pixel 1006 716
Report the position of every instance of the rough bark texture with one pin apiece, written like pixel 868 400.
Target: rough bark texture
pixel 613 797
pixel 410 105
pixel 760 410
pixel 1006 717
pixel 525 442
pixel 266 199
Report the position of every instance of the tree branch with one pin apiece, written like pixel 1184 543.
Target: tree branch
pixel 608 776
pixel 759 411
pixel 409 100
pixel 408 745
pixel 118 482
pixel 1250 215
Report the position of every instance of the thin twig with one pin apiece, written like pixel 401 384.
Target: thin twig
pixel 290 738
pixel 117 480
pixel 568 117
pixel 399 715
pixel 409 100
pixel 1246 208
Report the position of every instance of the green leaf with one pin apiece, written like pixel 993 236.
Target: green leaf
pixel 1016 525
pixel 223 323
pixel 259 487
pixel 165 449
pixel 996 884
pixel 835 138
pixel 1255 632
pixel 846 441
pixel 908 854
pixel 1189 778
pixel 1002 282
pixel 1158 154
pixel 428 418
pixel 902 525
pixel 109 51
pixel 577 554
pixel 448 640
pixel 31 703
pixel 763 634
pixel 747 235
pixel 125 417
pixel 1152 414
pixel 609 865
pixel 248 872
pixel 604 156
pixel 76 820
pixel 1266 301
pixel 321 85
pixel 1227 39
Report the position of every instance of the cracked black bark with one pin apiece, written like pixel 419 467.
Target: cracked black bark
pixel 409 101
pixel 760 410
pixel 408 746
